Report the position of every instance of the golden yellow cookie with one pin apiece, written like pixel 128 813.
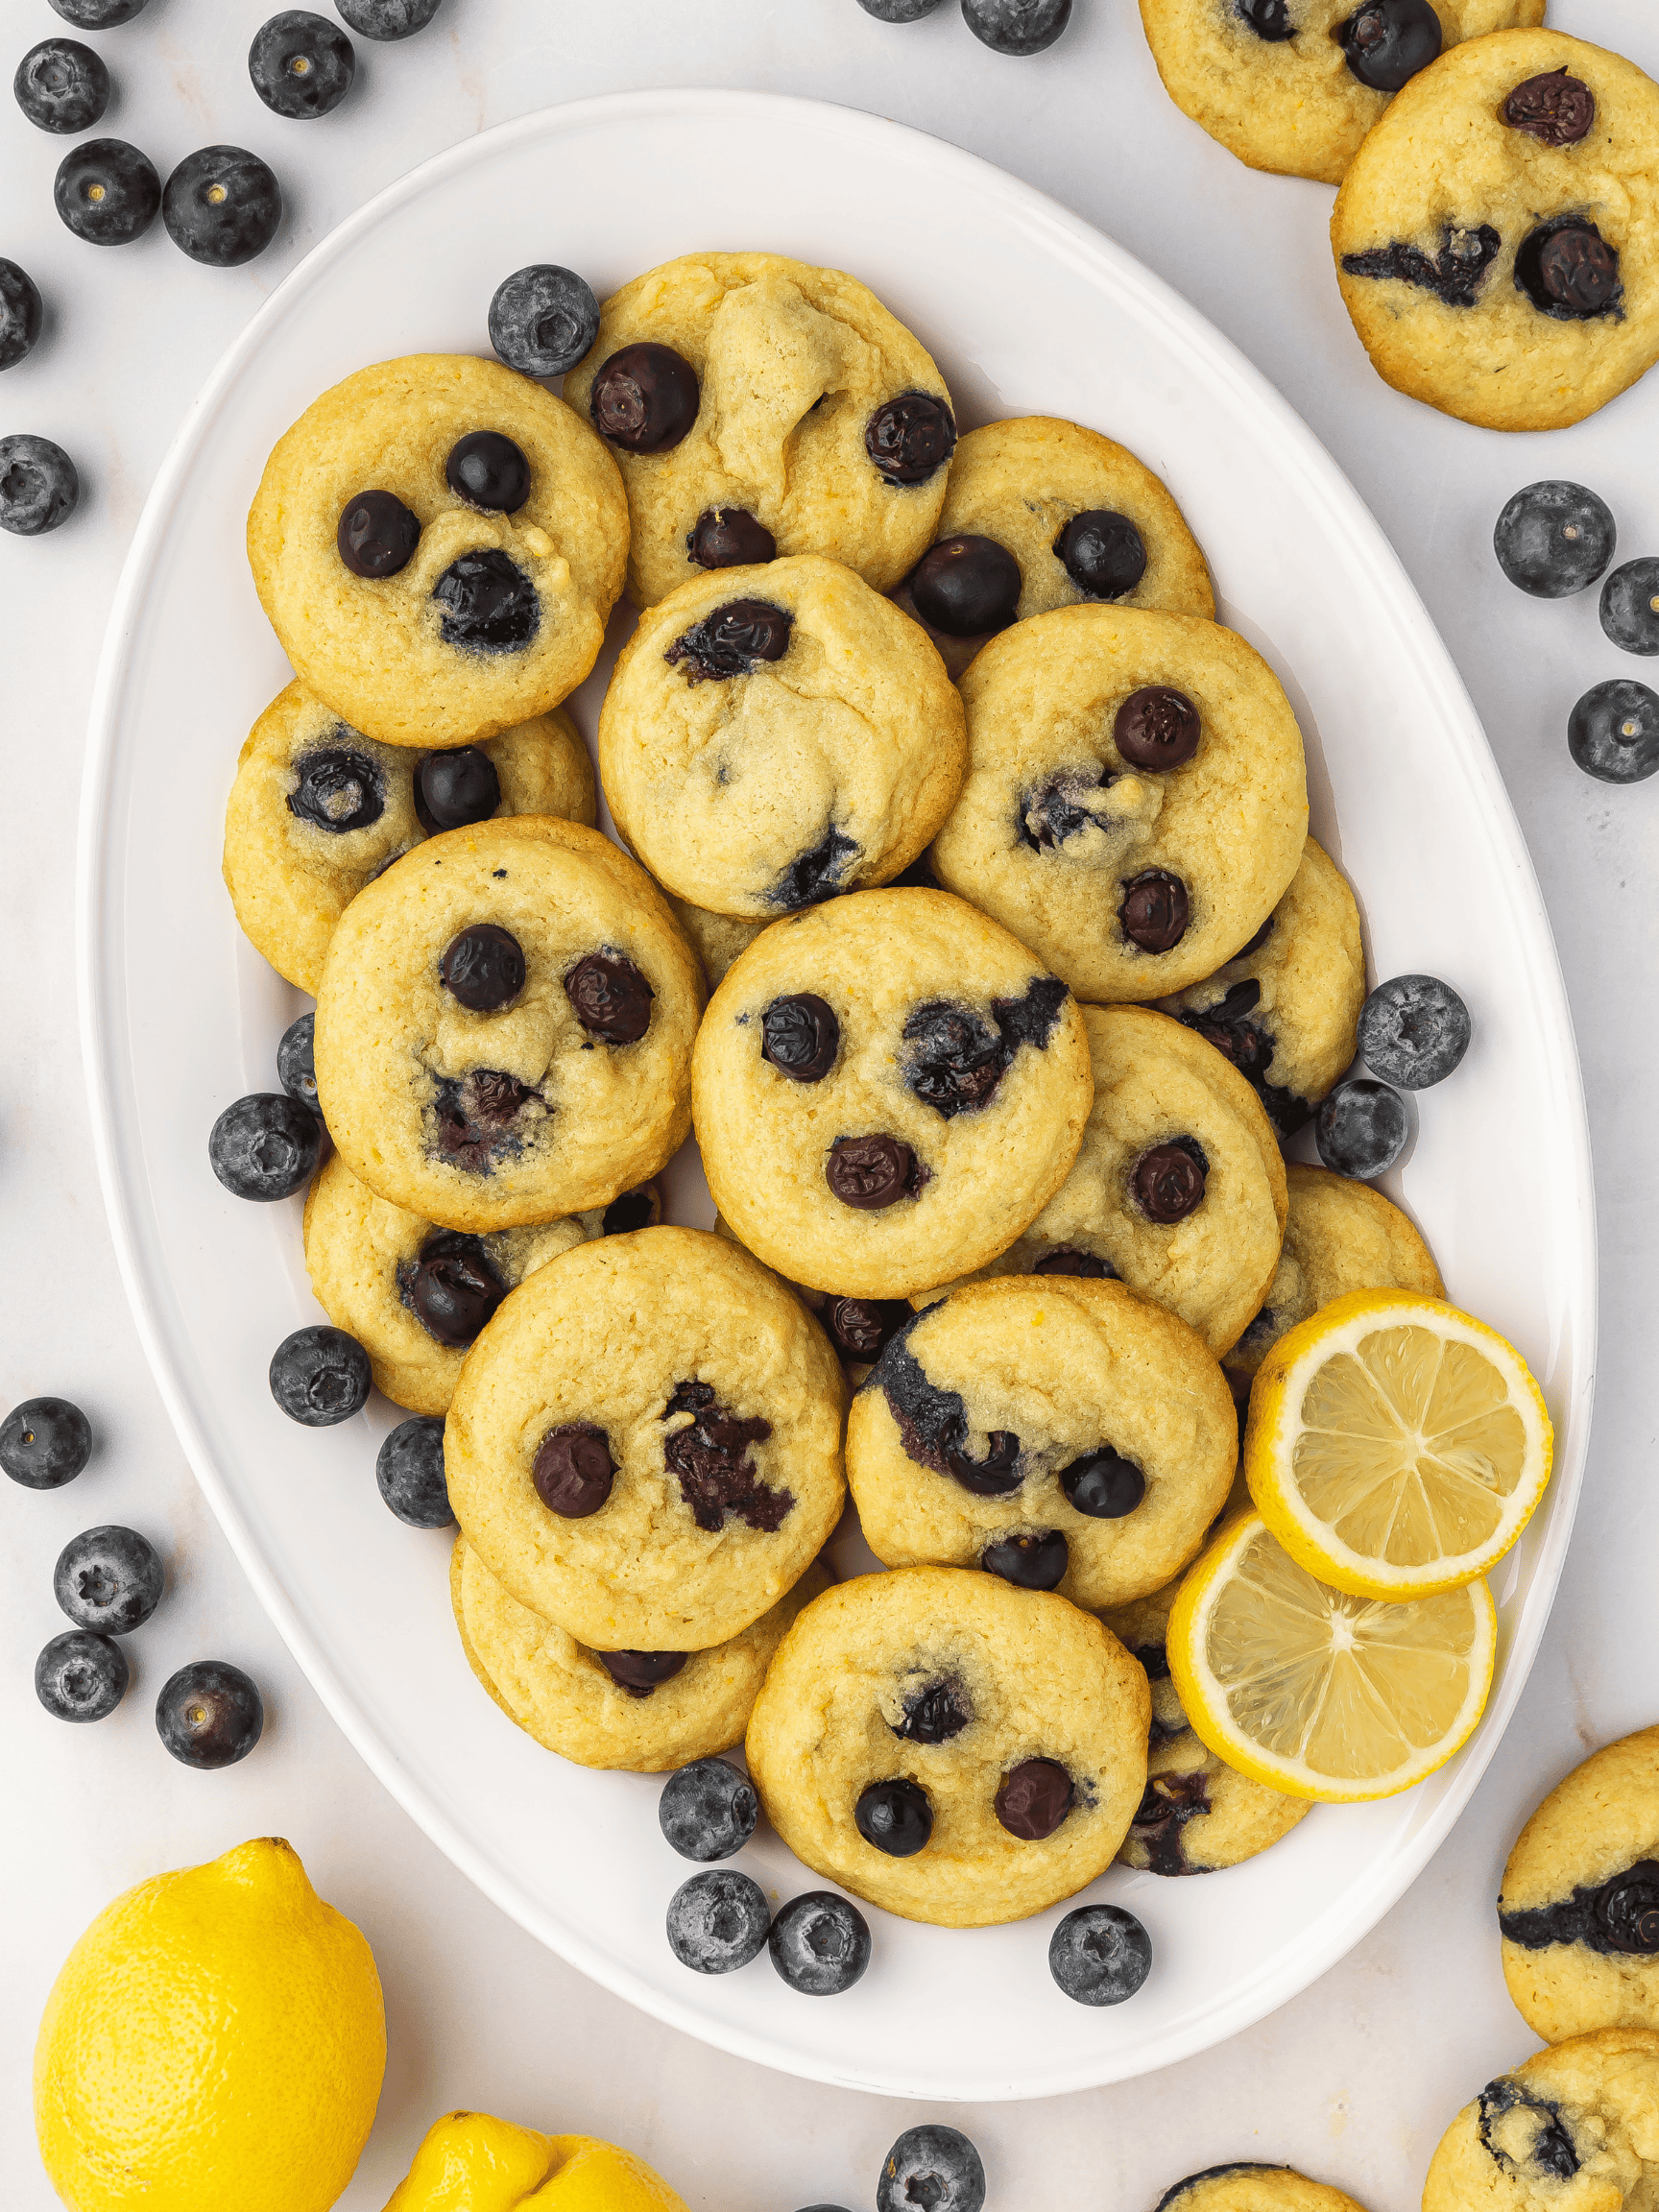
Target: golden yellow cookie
pixel 716 939
pixel 1497 238
pixel 1253 2188
pixel 798 407
pixel 1572 2130
pixel 644 1446
pixel 1012 1724
pixel 886 1090
pixel 481 1111
pixel 473 619
pixel 1136 802
pixel 772 736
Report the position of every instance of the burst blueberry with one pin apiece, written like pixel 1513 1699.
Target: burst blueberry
pixel 1362 1129
pixel 20 314
pixel 543 319
pixel 1630 606
pixel 1613 733
pixel 1414 1030
pixel 107 1579
pixel 820 1944
pixel 300 64
pixel 320 1376
pixel 62 86
pixel 1555 538
pixel 931 2166
pixel 265 1147
pixel 1100 1954
pixel 107 192
pixel 1017 26
pixel 409 1472
pixel 222 207
pixel 707 1811
pixel 44 1443
pixel 38 487
pixel 717 1921
pixel 209 1714
pixel 80 1676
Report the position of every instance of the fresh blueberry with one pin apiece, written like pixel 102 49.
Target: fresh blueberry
pixel 39 485
pixel 409 1471
pixel 320 1376
pixel 376 535
pixel 1630 606
pixel 1414 1030
pixel 489 471
pixel 80 1676
pixel 717 1921
pixel 893 1816
pixel 44 1443
pixel 97 14
pixel 707 1811
pixel 1100 1954
pixel 109 1580
pixel 544 318
pixel 1553 538
pixel 301 64
pixel 20 314
pixel 931 2166
pixel 898 11
pixel 107 192
pixel 265 1146
pixel 297 1062
pixel 1613 733
pixel 1102 552
pixel 62 86
pixel 1387 42
pixel 388 18
pixel 456 788
pixel 1103 1484
pixel 820 1944
pixel 1033 1562
pixel 1017 26
pixel 209 1714
pixel 222 207
pixel 1362 1128
pixel 966 586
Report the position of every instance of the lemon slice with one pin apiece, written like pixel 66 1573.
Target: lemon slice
pixel 1395 1447
pixel 1317 1693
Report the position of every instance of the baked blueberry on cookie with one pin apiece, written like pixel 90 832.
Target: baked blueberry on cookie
pixel 1293 85
pixel 1136 802
pixel 774 737
pixel 1497 237
pixel 1571 2127
pixel 318 810
pixel 647 1711
pixel 949 1747
pixel 504 1026
pixel 644 1446
pixel 1062 1434
pixel 886 1090
pixel 1579 1906
pixel 1253 2188
pixel 438 542
pixel 759 406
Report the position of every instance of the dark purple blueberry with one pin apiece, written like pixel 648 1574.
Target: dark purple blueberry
pixel 860 1326
pixel 997 1474
pixel 731 641
pixel 1100 1954
pixel 488 604
pixel 1157 728
pixel 820 1944
pixel 1545 2133
pixel 487 470
pixel 409 1473
pixel 1155 910
pixel 543 319
pixel 707 1811
pixel 1030 1562
pixel 1554 109
pixel 39 485
pixel 898 11
pixel 20 314
pixel 710 1457
pixel 1627 1909
pixel 1613 733
pixel 1387 42
pixel 97 14
pixel 209 1714
pixel 1102 552
pixel 640 1673
pixel 62 86
pixel 730 538
pixel 956 1061
pixel 717 1921
pixel 265 1146
pixel 1167 1181
pixel 338 789
pixel 967 586
pixel 109 1580
pixel 453 1288
pixel 644 398
pixel 1454 274
pixel 1033 1799
pixel 1630 606
pixel 44 1443
pixel 388 19
pixel 610 997
pixel 454 789
pixel 893 1816
pixel 934 1716
pixel 1103 1484
pixel 634 1210
pixel 800 1037
pixel 1269 19
pixel 871 1172
pixel 301 64
pixel 222 207
pixel 573 1470
pixel 1017 26
pixel 320 1376
pixel 1555 538
pixel 909 439
pixel 1362 1128
pixel 1414 1030
pixel 1066 1259
pixel 297 1061
pixel 931 2169
pixel 815 873
pixel 1568 269
pixel 80 1676
pixel 378 534
pixel 483 968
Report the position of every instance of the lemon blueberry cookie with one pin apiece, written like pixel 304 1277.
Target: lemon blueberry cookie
pixel 716 939
pixel 1064 1434
pixel 886 1090
pixel 437 543
pixel 1136 802
pixel 1577 2127
pixel 949 1747
pixel 760 406
pixel 318 810
pixel 504 1026
pixel 1497 238
pixel 644 1445
pixel 1253 2188
pixel 772 736
pixel 1580 1906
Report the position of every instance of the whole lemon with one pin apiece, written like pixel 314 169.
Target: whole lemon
pixel 471 2163
pixel 215 2038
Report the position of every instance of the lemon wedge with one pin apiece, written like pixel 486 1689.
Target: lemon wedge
pixel 1317 1693
pixel 1395 1447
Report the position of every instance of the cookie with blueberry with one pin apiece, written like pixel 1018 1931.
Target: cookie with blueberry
pixel 1497 239
pixel 645 1710
pixel 1136 802
pixel 1293 85
pixel 1579 1906
pixel 1062 1434
pixel 1572 2125
pixel 504 1026
pixel 949 1747
pixel 1250 2187
pixel 438 542
pixel 318 810
pixel 645 1445
pixel 886 1090
pixel 774 737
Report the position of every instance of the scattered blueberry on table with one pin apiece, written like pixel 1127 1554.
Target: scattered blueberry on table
pixel 265 1146
pixel 80 1676
pixel 301 64
pixel 1613 732
pixel 1414 1030
pixel 296 1056
pixel 320 1376
pixel 543 319
pixel 98 14
pixel 222 205
pixel 1555 538
pixel 409 1472
pixel 106 191
pixel 209 1714
pixel 62 86
pixel 1100 1954
pixel 899 11
pixel 934 2166
pixel 20 313
pixel 1630 606
pixel 820 1944
pixel 39 485
pixel 707 1811
pixel 1017 26
pixel 388 18
pixel 44 1443
pixel 717 1921
pixel 109 1580
pixel 1361 1130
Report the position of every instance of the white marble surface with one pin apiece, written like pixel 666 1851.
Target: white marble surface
pixel 1355 2079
